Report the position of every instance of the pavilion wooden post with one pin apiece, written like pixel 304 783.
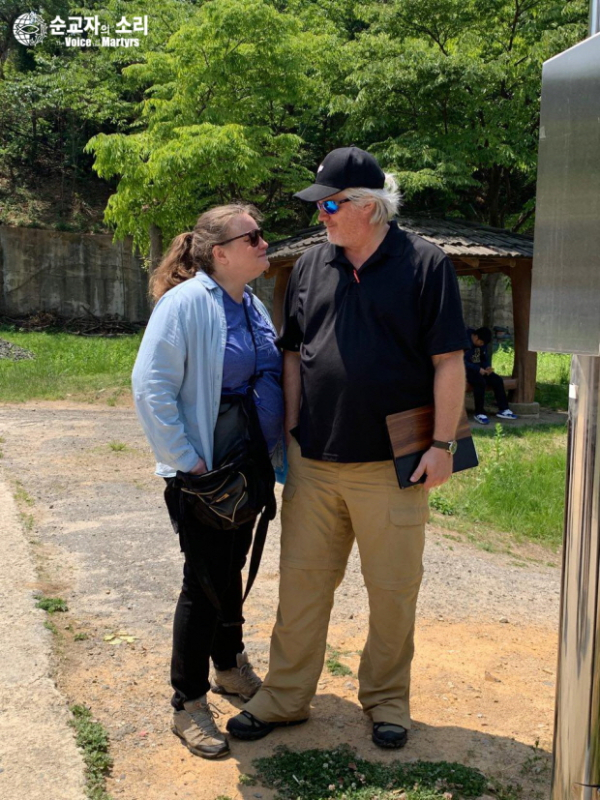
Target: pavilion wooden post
pixel 282 276
pixel 525 366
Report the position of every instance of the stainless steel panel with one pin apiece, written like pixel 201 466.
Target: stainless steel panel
pixel 576 772
pixel 565 304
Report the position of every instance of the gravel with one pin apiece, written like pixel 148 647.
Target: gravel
pixel 13 352
pixel 104 512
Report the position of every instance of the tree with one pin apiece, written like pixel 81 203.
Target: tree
pixel 220 120
pixel 447 93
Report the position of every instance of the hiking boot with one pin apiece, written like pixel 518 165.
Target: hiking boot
pixel 389 735
pixel 195 726
pixel 240 680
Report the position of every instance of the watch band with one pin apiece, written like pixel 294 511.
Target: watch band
pixel 449 447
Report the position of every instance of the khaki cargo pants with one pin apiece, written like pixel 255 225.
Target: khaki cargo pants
pixel 326 505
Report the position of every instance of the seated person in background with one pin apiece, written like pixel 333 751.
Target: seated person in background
pixel 481 375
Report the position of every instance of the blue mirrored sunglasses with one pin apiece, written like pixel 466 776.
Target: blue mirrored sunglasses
pixel 331 206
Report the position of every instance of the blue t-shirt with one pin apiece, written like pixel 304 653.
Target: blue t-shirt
pixel 241 362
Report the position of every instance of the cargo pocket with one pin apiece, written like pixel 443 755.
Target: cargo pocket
pixel 409 515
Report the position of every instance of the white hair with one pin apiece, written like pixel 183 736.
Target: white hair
pixel 387 201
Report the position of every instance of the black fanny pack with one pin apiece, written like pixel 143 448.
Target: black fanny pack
pixel 241 487
pixel 237 491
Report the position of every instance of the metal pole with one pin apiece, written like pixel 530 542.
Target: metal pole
pixel 576 772
pixel 594 16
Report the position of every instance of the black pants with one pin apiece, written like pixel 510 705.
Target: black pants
pixel 198 635
pixel 480 382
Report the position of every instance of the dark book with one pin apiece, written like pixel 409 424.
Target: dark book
pixel 411 434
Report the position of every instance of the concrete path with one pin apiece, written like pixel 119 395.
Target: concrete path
pixel 38 755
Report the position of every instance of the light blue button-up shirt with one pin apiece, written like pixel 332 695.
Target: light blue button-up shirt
pixel 178 373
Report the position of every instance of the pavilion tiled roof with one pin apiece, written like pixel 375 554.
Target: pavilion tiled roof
pixel 457 238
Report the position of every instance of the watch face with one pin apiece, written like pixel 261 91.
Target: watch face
pixel 452 447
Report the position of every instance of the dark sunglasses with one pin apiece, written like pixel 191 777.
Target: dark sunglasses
pixel 331 206
pixel 253 237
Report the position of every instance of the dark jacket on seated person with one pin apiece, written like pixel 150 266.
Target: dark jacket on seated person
pixel 476 358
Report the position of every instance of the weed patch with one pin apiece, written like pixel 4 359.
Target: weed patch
pixel 334 665
pixel 339 773
pixel 117 447
pixel 51 604
pixel 93 741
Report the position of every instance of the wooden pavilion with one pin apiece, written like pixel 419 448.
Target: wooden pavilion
pixel 474 250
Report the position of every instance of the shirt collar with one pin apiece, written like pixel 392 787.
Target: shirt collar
pixel 212 285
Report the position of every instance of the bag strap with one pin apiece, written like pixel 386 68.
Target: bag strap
pixel 268 513
pixel 260 536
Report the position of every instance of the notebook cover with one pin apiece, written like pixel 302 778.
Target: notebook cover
pixel 411 434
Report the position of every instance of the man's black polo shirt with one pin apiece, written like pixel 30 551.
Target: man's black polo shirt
pixel 366 340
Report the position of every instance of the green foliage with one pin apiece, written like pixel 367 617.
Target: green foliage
pixel 222 106
pixel 334 665
pixel 440 503
pixel 242 98
pixel 68 366
pixel 553 376
pixel 117 447
pixel 51 604
pixel 447 93
pixel 518 487
pixel 93 741
pixel 339 773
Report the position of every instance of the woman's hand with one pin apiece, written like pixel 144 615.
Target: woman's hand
pixel 200 468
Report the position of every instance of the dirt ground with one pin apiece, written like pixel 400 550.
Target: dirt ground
pixel 483 675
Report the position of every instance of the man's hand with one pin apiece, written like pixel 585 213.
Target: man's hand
pixel 437 464
pixel 200 468
pixel 488 370
pixel 482 371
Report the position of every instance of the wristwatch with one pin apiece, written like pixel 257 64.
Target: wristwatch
pixel 449 447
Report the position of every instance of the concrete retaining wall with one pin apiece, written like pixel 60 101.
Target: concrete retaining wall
pixel 69 273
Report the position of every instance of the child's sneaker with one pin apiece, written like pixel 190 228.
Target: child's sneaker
pixel 481 419
pixel 506 414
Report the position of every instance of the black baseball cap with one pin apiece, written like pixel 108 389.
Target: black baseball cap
pixel 344 168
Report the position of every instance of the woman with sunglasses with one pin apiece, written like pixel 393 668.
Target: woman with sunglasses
pixel 208 337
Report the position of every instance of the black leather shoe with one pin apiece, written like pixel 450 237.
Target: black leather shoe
pixel 388 734
pixel 245 726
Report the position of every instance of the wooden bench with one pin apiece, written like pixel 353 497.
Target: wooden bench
pixel 510 384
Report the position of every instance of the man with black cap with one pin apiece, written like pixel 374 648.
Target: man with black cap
pixel 372 326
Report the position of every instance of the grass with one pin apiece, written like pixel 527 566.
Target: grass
pixel 52 604
pixel 340 774
pixel 553 373
pixel 21 495
pixel 117 447
pixel 68 366
pixel 334 665
pixel 27 521
pixel 93 741
pixel 50 626
pixel 518 487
